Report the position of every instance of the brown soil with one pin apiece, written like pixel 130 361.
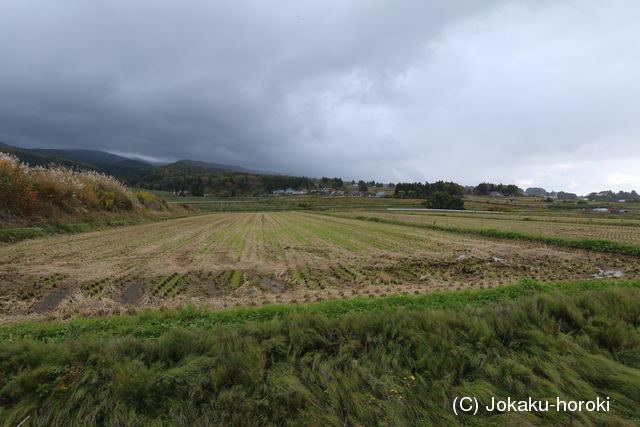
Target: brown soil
pixel 133 293
pixel 51 300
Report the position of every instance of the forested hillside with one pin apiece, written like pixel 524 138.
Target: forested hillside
pixel 197 178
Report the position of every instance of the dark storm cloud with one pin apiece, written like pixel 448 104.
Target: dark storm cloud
pixel 543 93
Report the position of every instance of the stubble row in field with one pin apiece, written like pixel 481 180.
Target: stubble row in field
pixel 628 232
pixel 254 258
pixel 288 203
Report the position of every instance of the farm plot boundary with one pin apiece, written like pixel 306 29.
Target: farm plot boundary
pixel 151 324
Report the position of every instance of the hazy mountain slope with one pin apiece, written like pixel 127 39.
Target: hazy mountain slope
pixel 42 159
pixel 95 157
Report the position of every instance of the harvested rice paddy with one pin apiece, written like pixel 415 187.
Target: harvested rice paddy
pixel 250 259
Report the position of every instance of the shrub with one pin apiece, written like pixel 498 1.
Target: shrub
pixel 444 200
pixel 145 197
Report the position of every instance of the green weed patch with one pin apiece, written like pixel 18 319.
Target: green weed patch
pixel 167 286
pixel 11 235
pixel 236 279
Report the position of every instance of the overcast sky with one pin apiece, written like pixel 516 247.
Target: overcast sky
pixel 538 93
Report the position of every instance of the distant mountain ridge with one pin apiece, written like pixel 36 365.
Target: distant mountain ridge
pixel 100 158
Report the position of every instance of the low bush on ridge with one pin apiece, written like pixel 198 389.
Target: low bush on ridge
pixel 385 368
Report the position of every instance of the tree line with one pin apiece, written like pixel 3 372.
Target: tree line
pixel 228 184
pixel 610 196
pixel 418 190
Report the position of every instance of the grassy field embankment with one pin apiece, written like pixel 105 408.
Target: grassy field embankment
pixel 152 324
pixel 35 201
pixel 360 362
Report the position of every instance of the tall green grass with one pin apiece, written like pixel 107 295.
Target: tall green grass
pixel 589 244
pixel 402 367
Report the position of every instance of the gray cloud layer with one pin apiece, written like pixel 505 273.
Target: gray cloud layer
pixel 539 92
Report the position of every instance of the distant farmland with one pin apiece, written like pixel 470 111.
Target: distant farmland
pixel 250 259
pixel 619 231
